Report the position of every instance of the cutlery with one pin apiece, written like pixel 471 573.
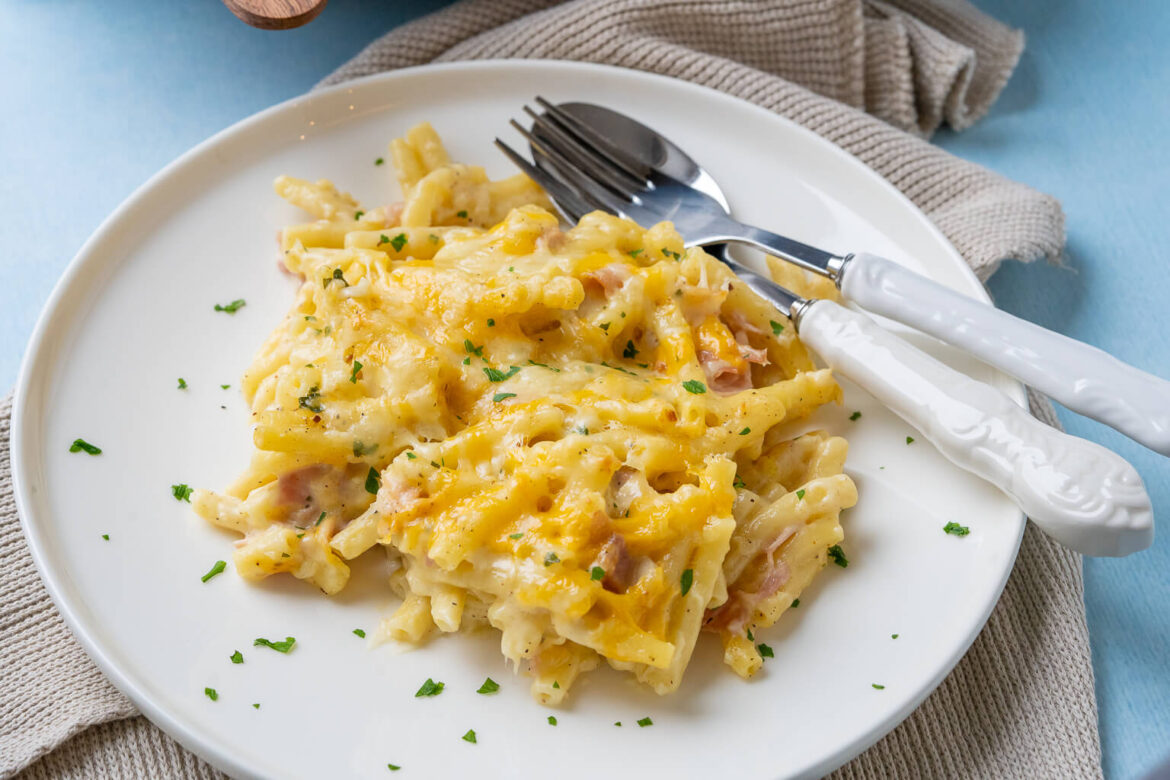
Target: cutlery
pixel 1078 492
pixel 1081 377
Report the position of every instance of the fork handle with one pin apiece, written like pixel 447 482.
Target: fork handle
pixel 1083 378
pixel 1081 494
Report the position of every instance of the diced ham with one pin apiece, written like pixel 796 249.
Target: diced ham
pixel 699 303
pixel 295 489
pixel 735 613
pixel 553 239
pixel 623 490
pixel 609 278
pixel 723 376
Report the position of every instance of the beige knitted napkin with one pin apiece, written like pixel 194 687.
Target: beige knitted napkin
pixel 1020 703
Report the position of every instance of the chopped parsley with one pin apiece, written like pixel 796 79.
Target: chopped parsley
pixel 237 657
pixel 630 352
pixel 79 445
pixel 543 365
pixel 398 242
pixel 777 328
pixel 644 722
pixel 800 494
pixel 312 400
pixel 516 535
pixel 463 215
pixel 491 323
pixel 552 720
pixel 556 684
pixel 224 387
pixel 489 686
pixel 383 239
pixel 182 383
pixel 256 706
pixel 838 556
pixel 360 449
pixel 338 276
pixel 879 687
pixel 106 537
pixel 667 253
pixel 433 238
pixel 634 252
pixel 795 603
pixel 280 647
pixel 551 558
pixel 686 580
pixel 357 215
pixel 379 161
pixel 502 397
pixel 596 573
pixel 211 693
pixel 410 455
pixel 765 651
pixel 471 348
pixel 745 431
pixel 749 635
pixel 429 688
pixel 359 633
pixel 469 736
pixel 372 481
pixel 233 307
pixel 618 722
pixel 181 493
pixel 357 367
pixel 855 416
pixel 954 529
pixel 604 326
pixel 217 568
pixel 893 636
pixel 496 375
pixel 694 386
pixel 738 482
pixel 320 517
pixel 393 767
pixel 909 439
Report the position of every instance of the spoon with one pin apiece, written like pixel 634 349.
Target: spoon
pixel 275 14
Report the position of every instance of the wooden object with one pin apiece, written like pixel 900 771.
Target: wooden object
pixel 276 14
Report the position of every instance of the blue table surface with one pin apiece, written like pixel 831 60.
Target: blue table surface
pixel 99 96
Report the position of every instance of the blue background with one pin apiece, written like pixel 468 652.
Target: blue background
pixel 98 96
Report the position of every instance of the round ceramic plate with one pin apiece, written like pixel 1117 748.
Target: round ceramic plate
pixel 134 312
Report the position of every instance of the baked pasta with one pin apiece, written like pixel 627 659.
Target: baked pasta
pixel 580 437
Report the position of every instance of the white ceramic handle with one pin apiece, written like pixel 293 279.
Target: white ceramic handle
pixel 1083 378
pixel 1079 493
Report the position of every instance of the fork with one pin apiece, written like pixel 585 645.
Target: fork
pixel 594 173
pixel 1080 493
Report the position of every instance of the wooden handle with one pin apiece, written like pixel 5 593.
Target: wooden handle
pixel 275 14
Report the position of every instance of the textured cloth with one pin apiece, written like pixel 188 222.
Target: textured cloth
pixel 873 77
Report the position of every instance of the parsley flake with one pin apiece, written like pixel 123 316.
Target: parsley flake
pixel 312 400
pixel 393 767
pixel 79 445
pixel 106 537
pixel 182 383
pixel 474 350
pixel 738 482
pixel 237 657
pixel 796 603
pixel 372 481
pixel 491 323
pixel 879 687
pixel 596 573
pixel 463 215
pixel 233 307
pixel 502 397
pixel 604 326
pixel 359 633
pixel 383 239
pixel 954 529
pixel 280 647
pixel 667 253
pixel 516 535
pixel 618 722
pixel 216 568
pixel 398 242
pixel 256 706
pixel 410 455
pixel 630 352
pixel 379 161
pixel 644 722
pixel 765 651
pixel 429 688
pixel 855 416
pixel 909 439
pixel 211 693
pixel 556 684
pixel 224 387
pixel 181 493
pixel 469 736
pixel 489 686
pixel 552 720
pixel 694 386
pixel 838 556
pixel 357 215
pixel 800 494
pixel 893 636
pixel 745 431
pixel 551 558
pixel 777 328
pixel 543 365
pixel 360 449
pixel 357 367
pixel 496 375
pixel 686 580
pixel 634 252
pixel 320 517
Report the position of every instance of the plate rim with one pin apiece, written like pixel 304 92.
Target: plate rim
pixel 22 441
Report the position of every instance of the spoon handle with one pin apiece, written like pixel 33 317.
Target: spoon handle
pixel 1081 494
pixel 1083 378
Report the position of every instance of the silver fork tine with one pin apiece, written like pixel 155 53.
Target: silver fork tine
pixel 618 157
pixel 584 157
pixel 565 196
pixel 572 174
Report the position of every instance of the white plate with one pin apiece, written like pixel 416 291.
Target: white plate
pixel 134 312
